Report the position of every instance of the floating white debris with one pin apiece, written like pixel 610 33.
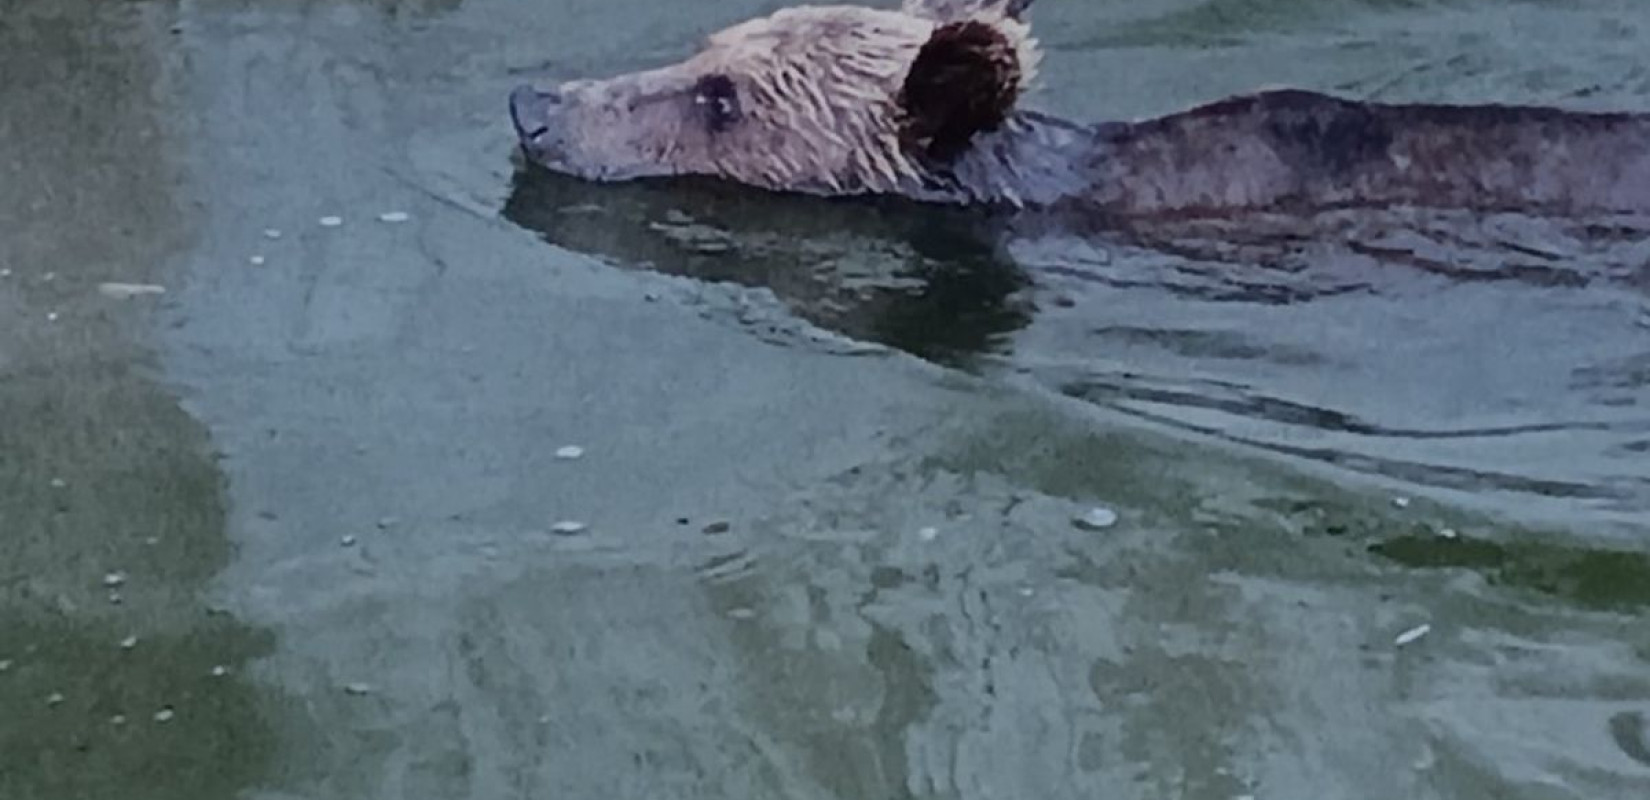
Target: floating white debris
pixel 347 541
pixel 1097 518
pixel 741 613
pixel 54 699
pixel 1409 636
pixel 49 277
pixel 1027 591
pixel 358 689
pixel 272 233
pixel 568 527
pixel 385 523
pixel 394 216
pixel 651 297
pixel 1401 502
pixel 128 643
pixel 5 273
pixel 114 579
pixel 165 715
pixel 256 261
pixel 5 664
pixel 1447 533
pixel 115 599
pixel 123 291
pixel 151 540
pixel 331 222
pixel 59 483
pixel 51 316
pixel 928 534
pixel 219 671
pixel 118 719
pixel 570 452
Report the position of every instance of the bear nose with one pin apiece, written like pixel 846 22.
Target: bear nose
pixel 530 110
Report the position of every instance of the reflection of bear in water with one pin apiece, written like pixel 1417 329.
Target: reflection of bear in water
pixel 930 281
pixel 921 103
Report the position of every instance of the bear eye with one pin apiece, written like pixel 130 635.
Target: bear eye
pixel 718 100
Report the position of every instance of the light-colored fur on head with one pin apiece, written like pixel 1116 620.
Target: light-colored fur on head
pixel 808 98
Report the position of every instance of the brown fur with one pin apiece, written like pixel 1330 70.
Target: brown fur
pixel 1292 148
pixel 921 102
pixel 965 80
pixel 821 94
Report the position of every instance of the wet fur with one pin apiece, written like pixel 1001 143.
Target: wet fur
pixel 922 103
pixel 1300 149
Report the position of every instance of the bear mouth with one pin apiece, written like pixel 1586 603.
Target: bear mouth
pixel 530 112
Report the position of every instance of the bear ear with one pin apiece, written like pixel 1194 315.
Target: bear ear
pixel 964 80
pixel 952 10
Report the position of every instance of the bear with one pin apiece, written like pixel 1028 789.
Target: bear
pixel 923 102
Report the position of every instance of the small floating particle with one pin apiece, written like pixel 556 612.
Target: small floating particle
pixel 49 277
pixel 151 540
pixel 54 699
pixel 1412 634
pixel 5 664
pixel 51 316
pixel 165 715
pixel 5 273
pixel 741 613
pixel 272 233
pixel 1097 518
pixel 544 720
pixel 570 452
pixel 1401 502
pixel 122 291
pixel 719 526
pixel 1447 533
pixel 651 297
pixel 128 643
pixel 118 719
pixel 114 579
pixel 394 216
pixel 568 527
pixel 347 541
pixel 331 222
pixel 59 483
pixel 256 261
pixel 115 599
pixel 928 534
pixel 1027 591
pixel 219 671
pixel 358 689
pixel 385 523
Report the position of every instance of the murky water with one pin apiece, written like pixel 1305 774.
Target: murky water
pixel 285 530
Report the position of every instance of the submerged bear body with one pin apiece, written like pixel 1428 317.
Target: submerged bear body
pixel 922 103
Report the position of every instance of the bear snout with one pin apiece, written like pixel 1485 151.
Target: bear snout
pixel 530 110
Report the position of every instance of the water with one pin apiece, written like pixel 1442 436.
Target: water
pixel 832 451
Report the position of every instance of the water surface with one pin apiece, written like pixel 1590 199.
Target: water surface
pixel 832 450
